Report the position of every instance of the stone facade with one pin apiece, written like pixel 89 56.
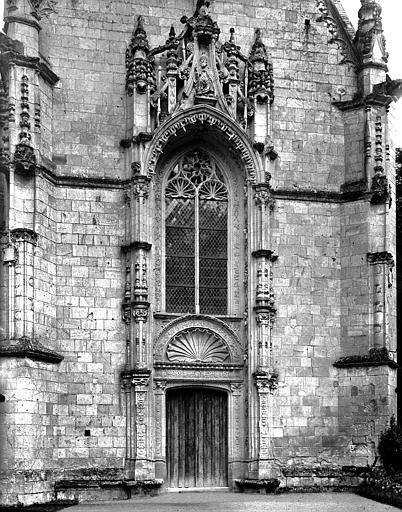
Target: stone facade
pixel 276 118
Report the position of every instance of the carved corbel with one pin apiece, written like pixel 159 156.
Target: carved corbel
pixel 140 186
pixel 159 386
pixel 380 189
pixel 263 196
pixel 24 159
pixel 266 382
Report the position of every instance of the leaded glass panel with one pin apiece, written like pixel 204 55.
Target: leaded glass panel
pixel 180 237
pixel 196 237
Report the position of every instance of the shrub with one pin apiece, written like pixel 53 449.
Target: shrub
pixel 390 447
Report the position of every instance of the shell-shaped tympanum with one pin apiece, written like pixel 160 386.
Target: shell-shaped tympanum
pixel 197 346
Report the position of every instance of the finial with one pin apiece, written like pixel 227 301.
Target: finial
pixel 201 7
pixel 140 24
pixel 369 9
pixel 139 40
pixel 232 35
pixel 172 33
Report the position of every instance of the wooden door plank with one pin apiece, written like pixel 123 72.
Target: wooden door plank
pixel 217 456
pixel 200 441
pixel 181 440
pixel 196 444
pixel 192 433
pixel 176 441
pixel 185 435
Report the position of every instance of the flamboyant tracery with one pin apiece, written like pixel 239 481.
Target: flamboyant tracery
pixel 196 202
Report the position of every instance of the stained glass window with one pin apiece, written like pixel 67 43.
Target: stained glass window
pixel 196 202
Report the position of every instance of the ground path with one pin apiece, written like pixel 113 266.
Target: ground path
pixel 235 502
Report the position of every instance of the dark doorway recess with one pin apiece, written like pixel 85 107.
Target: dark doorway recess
pixel 196 444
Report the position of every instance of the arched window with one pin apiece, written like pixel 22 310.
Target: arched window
pixel 196 237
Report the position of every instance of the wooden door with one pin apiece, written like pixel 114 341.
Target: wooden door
pixel 196 441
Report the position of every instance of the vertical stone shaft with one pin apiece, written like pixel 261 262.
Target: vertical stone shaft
pixel 381 266
pixel 264 302
pixel 23 324
pixel 264 308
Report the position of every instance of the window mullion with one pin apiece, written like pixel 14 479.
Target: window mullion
pixel 197 254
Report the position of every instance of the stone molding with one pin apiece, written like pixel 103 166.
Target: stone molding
pixel 29 348
pixel 13 55
pixel 375 357
pixel 383 257
pixel 83 182
pixel 346 194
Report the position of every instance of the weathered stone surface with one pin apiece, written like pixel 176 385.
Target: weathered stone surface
pixel 97 109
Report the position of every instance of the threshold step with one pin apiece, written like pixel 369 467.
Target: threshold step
pixel 197 489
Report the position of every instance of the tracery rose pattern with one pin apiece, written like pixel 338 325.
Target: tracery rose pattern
pixel 197 345
pixel 195 172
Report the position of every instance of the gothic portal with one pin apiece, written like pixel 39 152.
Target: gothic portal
pixel 197 212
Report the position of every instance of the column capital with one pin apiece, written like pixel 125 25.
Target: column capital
pixel 266 382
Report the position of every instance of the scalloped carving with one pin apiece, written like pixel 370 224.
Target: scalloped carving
pixel 197 345
pixel 190 322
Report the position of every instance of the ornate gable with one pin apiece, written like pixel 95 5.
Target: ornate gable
pixel 194 67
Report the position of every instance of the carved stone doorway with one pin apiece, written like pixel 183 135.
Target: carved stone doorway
pixel 196 438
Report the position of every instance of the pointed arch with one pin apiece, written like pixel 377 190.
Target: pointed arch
pixel 219 123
